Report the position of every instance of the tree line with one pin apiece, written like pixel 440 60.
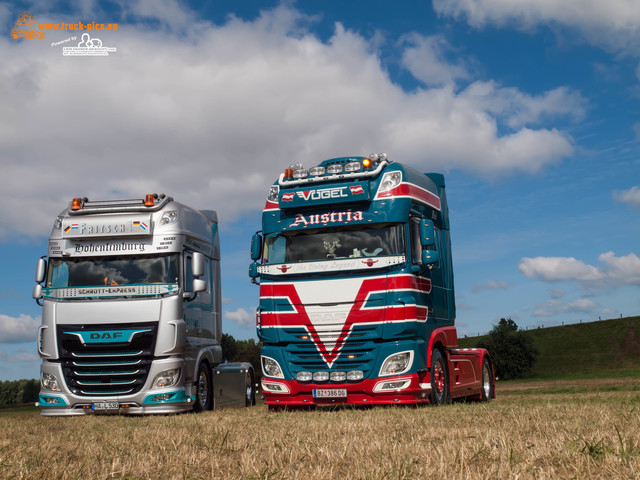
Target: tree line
pixel 18 392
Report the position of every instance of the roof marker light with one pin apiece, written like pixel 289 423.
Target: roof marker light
pixel 334 169
pixel 76 204
pixel 301 173
pixel 316 171
pixel 353 167
pixel 366 163
pixel 148 200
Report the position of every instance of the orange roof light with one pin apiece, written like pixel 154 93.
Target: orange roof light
pixel 76 204
pixel 288 173
pixel 148 200
pixel 366 163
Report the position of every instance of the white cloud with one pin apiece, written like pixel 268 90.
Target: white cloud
pixel 211 116
pixel 425 59
pixel 615 23
pixel 631 196
pixel 241 317
pixel 491 285
pixel 17 330
pixel 554 307
pixel 615 271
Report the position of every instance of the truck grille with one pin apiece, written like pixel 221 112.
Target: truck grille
pixel 357 353
pixel 94 364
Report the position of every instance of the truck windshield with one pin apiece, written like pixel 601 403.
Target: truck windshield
pixel 85 272
pixel 334 243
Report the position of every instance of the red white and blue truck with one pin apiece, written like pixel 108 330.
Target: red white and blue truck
pixel 356 289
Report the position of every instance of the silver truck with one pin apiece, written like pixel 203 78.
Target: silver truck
pixel 131 312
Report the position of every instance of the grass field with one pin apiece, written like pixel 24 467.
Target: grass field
pixel 545 430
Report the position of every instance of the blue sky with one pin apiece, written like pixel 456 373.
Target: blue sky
pixel 529 108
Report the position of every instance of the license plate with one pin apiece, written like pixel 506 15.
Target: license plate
pixel 104 406
pixel 330 393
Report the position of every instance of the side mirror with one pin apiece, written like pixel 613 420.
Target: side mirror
pixel 198 285
pixel 253 270
pixel 41 269
pixel 197 264
pixel 430 257
pixel 256 247
pixel 36 293
pixel 427 233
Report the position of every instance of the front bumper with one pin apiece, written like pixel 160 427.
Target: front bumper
pixel 176 399
pixel 414 389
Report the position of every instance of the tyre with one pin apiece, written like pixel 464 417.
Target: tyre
pixel 204 400
pixel 487 380
pixel 250 395
pixel 439 379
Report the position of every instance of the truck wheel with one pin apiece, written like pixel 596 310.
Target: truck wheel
pixel 439 379
pixel 487 381
pixel 250 395
pixel 204 400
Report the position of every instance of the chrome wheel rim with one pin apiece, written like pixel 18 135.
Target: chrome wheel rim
pixel 203 389
pixel 486 380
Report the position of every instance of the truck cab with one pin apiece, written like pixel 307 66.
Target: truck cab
pixel 131 311
pixel 356 289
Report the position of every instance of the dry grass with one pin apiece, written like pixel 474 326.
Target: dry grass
pixel 561 435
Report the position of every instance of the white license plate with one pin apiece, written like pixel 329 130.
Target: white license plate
pixel 104 406
pixel 330 393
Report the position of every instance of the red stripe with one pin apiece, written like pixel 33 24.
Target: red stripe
pixel 413 191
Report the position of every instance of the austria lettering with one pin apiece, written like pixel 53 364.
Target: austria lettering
pixel 331 217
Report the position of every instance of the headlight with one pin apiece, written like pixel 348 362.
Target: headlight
pixel 355 375
pixel 170 216
pixel 273 193
pixel 320 376
pixel 165 379
pixel 338 376
pixel 390 180
pixel 271 368
pixel 49 382
pixel 304 376
pixel 397 363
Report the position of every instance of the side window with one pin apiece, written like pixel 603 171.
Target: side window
pixel 188 277
pixel 416 247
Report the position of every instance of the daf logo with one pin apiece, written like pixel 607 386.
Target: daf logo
pixel 105 335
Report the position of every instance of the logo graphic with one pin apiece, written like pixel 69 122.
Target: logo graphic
pixel 283 268
pixel 26 27
pixel 369 262
pixel 73 226
pixel 88 47
pixel 287 197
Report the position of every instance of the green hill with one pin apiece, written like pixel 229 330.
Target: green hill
pixel 607 348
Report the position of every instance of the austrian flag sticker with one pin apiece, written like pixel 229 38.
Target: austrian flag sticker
pixel 357 190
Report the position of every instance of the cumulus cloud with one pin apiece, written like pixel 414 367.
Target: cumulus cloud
pixel 240 316
pixel 425 58
pixel 213 114
pixel 614 271
pixel 630 197
pixel 555 307
pixel 614 24
pixel 18 329
pixel 490 285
